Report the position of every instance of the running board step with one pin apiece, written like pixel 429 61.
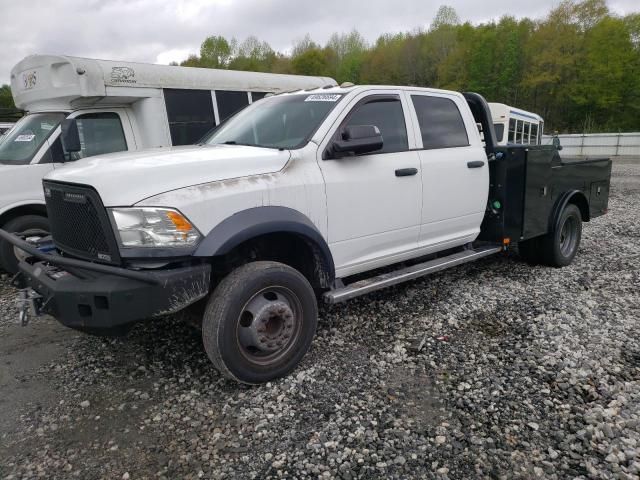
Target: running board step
pixel 372 284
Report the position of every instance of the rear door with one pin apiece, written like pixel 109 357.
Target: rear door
pixel 454 169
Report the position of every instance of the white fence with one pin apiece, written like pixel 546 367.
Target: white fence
pixel 608 144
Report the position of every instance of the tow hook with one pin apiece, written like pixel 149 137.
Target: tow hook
pixel 29 304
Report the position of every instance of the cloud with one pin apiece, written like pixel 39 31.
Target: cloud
pixel 166 30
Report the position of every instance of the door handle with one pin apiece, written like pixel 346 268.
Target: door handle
pixel 406 172
pixel 475 164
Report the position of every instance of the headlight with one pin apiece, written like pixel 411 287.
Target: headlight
pixel 154 227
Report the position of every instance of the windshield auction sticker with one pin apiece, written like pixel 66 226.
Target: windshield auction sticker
pixel 24 138
pixel 322 97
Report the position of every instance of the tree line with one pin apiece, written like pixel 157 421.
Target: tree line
pixel 579 67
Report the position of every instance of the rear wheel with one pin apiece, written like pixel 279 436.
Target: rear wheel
pixel 259 322
pixel 28 226
pixel 560 246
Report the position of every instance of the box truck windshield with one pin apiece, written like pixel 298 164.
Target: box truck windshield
pixel 22 143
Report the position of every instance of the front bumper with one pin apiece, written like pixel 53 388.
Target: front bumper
pixel 83 294
pixel 103 301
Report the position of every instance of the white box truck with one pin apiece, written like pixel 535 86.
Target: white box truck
pixel 116 106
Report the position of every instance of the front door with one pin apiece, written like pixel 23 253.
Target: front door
pixel 374 200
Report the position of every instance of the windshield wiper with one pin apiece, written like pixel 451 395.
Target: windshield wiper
pixel 233 142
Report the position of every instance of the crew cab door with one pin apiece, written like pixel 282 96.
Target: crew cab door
pixel 454 169
pixel 374 199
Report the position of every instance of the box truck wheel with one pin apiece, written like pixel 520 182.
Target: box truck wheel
pixel 259 322
pixel 561 244
pixel 28 225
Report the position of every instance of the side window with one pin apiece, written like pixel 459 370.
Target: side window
pixel 385 113
pixel 441 124
pixel 527 127
pixel 534 133
pixel 512 130
pixel 230 102
pixel 99 133
pixel 255 96
pixel 55 154
pixel 190 114
pixel 519 130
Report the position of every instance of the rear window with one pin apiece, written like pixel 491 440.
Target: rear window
pixel 499 128
pixel 441 124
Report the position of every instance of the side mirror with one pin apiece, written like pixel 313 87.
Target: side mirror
pixel 356 140
pixel 69 136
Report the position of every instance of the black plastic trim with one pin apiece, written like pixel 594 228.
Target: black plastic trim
pixel 106 301
pixel 257 221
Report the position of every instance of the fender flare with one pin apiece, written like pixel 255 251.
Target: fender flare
pixel 7 210
pixel 257 221
pixel 563 201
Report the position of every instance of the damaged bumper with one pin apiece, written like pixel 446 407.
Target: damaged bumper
pixel 89 295
pixel 106 300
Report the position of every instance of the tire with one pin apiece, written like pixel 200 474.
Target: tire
pixel 259 322
pixel 8 260
pixel 560 246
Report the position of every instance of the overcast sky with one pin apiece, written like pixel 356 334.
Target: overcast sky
pixel 160 31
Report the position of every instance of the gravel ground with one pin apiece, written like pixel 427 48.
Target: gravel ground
pixel 494 369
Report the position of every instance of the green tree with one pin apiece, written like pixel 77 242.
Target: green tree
pixel 346 53
pixel 579 67
pixel 6 99
pixel 312 61
pixel 215 52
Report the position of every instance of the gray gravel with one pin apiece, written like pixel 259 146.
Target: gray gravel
pixel 495 369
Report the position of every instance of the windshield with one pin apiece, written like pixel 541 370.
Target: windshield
pixel 286 121
pixel 20 144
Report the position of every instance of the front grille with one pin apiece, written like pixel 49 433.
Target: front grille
pixel 80 226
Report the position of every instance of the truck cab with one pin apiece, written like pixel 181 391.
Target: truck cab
pixel 116 106
pixel 329 193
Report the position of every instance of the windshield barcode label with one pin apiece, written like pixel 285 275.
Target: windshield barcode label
pixel 24 138
pixel 323 97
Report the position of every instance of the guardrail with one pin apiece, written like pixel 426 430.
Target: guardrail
pixel 609 144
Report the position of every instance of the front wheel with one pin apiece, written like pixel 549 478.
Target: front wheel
pixel 259 322
pixel 28 226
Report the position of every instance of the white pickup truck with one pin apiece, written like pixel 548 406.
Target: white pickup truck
pixel 329 193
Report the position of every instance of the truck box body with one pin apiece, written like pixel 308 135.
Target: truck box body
pixel 529 181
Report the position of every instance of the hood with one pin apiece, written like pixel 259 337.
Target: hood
pixel 126 178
